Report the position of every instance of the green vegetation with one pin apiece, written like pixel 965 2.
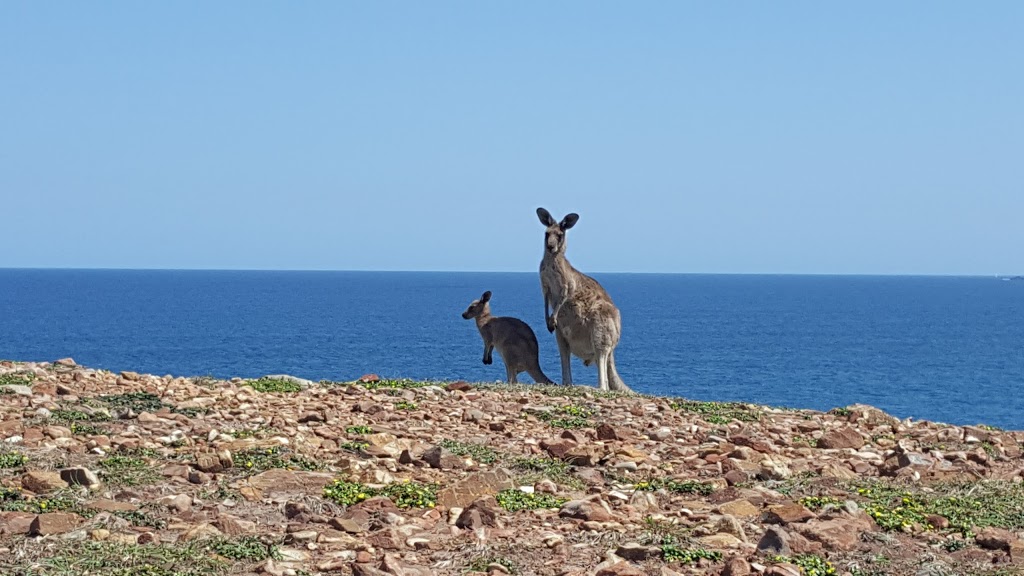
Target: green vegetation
pixel 401 384
pixel 134 401
pixel 12 500
pixel 245 548
pixel 719 412
pixel 405 405
pixel 840 412
pixel 273 385
pixel 678 486
pixel 258 432
pixel 965 506
pixel 17 379
pixel 127 470
pixel 478 452
pixel 355 446
pixel 141 518
pixel 117 559
pixel 86 429
pixel 255 460
pixel 481 563
pixel 553 469
pixel 406 494
pixel 361 429
pixel 68 417
pixel 12 459
pixel 514 500
pixel 809 564
pixel 819 502
pixel 569 416
pixel 671 552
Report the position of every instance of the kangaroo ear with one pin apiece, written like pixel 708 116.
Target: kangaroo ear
pixel 569 221
pixel 545 217
pixel 486 297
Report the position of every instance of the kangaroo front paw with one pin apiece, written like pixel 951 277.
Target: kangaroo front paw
pixel 488 360
pixel 551 324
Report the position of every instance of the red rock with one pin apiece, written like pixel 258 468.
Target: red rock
pixel 608 432
pixel 461 386
pixel 787 514
pixel 42 482
pixel 845 437
pixel 586 455
pixel 736 566
pixel 995 538
pixel 442 459
pixel 482 512
pixel 369 378
pixel 69 362
pixel 559 448
pixel 54 523
pixel 474 486
pixel 620 569
pixel 841 534
pixel 16 522
pixel 589 509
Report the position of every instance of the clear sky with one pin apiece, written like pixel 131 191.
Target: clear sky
pixel 788 137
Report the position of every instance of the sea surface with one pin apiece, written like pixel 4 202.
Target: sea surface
pixel 949 349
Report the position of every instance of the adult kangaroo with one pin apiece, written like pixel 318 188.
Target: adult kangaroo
pixel 514 339
pixel 583 317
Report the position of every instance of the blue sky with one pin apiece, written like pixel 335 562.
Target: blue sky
pixel 778 137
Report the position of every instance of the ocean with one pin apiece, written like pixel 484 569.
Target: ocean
pixel 949 349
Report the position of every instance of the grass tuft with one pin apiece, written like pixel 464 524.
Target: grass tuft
pixel 514 500
pixel 273 385
pixel 718 412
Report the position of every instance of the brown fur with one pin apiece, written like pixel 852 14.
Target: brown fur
pixel 514 339
pixel 583 317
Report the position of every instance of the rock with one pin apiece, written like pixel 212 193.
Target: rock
pixel 842 534
pixel 995 538
pixel 200 532
pixel 17 389
pixel 591 476
pixel 482 512
pixel 16 522
pixel 209 463
pixel 179 502
pixel 66 362
pixel 740 508
pixel 459 386
pixel 736 566
pixel 81 476
pixel 281 482
pixel 608 432
pixel 349 525
pixel 845 437
pixel 54 523
pixel 775 541
pixel 369 378
pixel 787 514
pixel 638 552
pixel 585 455
pixel 784 569
pixel 442 459
pixel 311 416
pixel 474 486
pixel 41 482
pixel 592 508
pixel 558 448
pixel 622 568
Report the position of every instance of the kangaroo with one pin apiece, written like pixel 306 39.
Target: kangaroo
pixel 514 339
pixel 583 317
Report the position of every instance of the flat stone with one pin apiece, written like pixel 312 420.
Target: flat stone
pixel 474 486
pixel 42 482
pixel 787 514
pixel 54 523
pixel 16 522
pixel 845 437
pixel 81 476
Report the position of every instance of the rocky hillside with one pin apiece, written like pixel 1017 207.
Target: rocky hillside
pixel 129 474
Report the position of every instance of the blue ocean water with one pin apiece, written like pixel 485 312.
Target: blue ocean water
pixel 941 348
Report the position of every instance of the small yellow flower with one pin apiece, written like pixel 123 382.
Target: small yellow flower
pixel 42 505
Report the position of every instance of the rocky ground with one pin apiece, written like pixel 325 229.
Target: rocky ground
pixel 104 473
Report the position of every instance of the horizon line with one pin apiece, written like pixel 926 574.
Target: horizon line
pixel 394 271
